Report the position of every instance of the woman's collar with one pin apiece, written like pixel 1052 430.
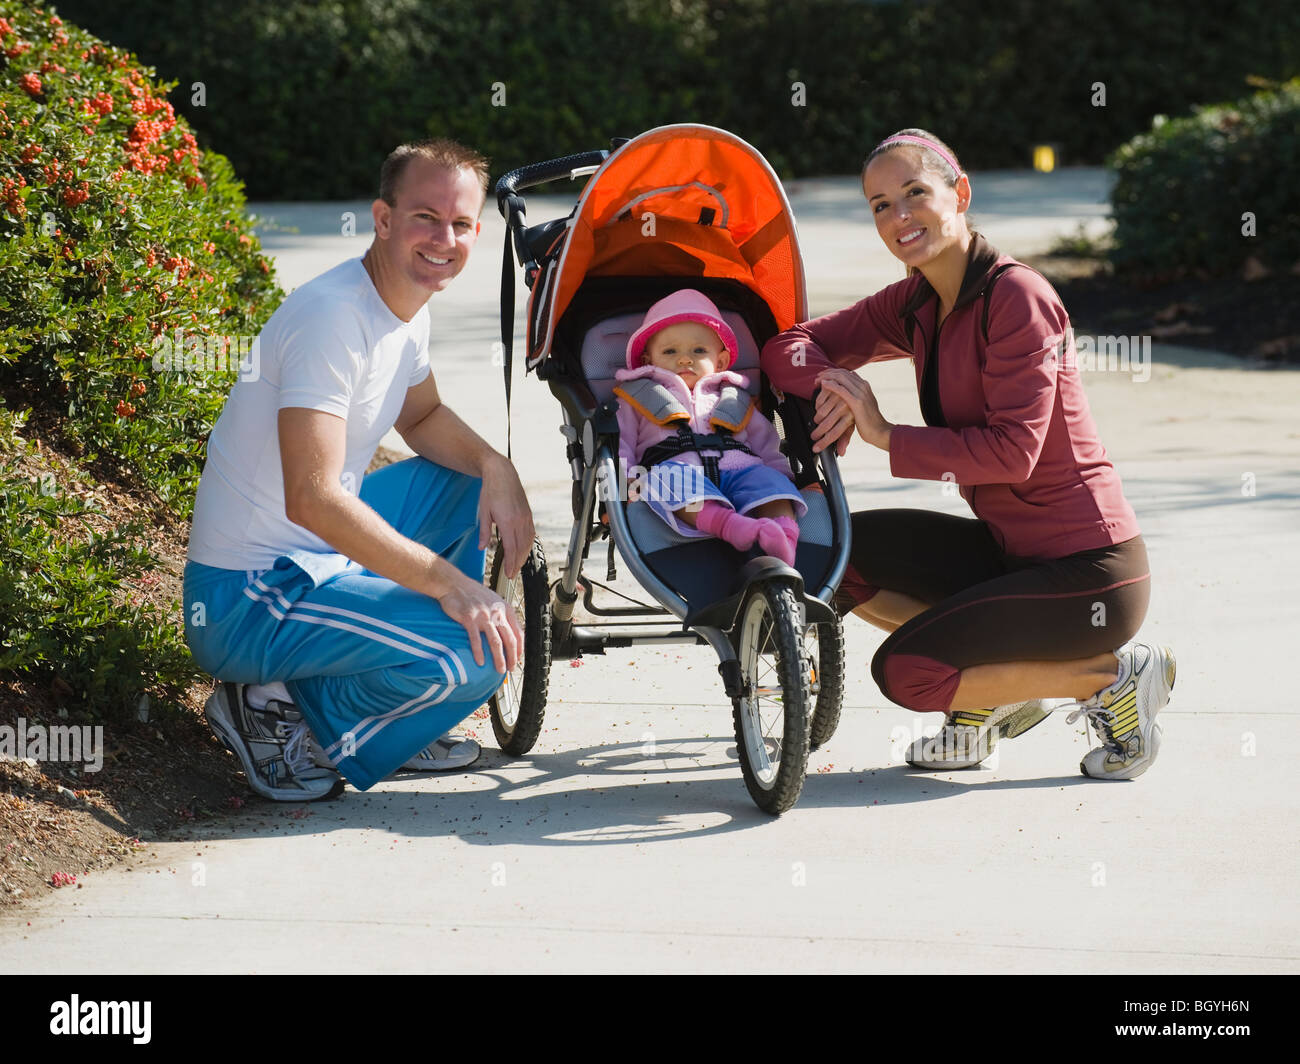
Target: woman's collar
pixel 981 259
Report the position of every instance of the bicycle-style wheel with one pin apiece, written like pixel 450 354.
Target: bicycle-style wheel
pixel 519 705
pixel 772 716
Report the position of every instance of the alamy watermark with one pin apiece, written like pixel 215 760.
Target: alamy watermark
pixel 194 353
pixel 1114 354
pixel 667 482
pixel 947 744
pixel 77 1017
pixel 79 744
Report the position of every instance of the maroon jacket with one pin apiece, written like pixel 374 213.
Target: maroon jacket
pixel 1006 419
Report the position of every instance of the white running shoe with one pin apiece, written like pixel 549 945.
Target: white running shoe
pixel 445 754
pixel 1124 714
pixel 271 745
pixel 968 736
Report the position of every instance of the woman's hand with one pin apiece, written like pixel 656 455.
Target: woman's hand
pixel 847 401
pixel 833 423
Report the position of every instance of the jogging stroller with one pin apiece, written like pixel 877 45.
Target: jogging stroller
pixel 679 206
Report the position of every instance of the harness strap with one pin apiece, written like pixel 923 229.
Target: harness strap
pixel 687 441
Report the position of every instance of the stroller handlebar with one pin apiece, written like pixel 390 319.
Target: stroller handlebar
pixel 511 204
pixel 539 173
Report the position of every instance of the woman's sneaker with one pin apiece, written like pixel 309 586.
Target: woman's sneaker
pixel 1124 714
pixel 968 736
pixel 271 745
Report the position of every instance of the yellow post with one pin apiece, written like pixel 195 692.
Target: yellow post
pixel 1044 158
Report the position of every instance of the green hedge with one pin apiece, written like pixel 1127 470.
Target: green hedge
pixel 68 605
pixel 307 96
pixel 1190 191
pixel 115 232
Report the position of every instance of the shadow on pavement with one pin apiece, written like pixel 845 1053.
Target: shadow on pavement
pixel 585 796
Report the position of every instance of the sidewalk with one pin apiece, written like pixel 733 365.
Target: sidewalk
pixel 626 841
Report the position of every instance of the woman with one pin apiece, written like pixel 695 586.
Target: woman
pixel 1038 596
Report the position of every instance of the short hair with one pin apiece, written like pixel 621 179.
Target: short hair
pixel 441 151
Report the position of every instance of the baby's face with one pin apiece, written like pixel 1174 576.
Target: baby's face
pixel 689 349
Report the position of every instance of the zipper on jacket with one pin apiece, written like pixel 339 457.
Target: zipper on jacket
pixel 938 399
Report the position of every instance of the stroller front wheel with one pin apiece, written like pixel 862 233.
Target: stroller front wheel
pixel 772 716
pixel 519 705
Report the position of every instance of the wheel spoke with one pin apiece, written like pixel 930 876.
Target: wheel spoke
pixel 517 708
pixel 512 592
pixel 812 651
pixel 765 708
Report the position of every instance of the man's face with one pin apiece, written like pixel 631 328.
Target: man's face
pixel 428 234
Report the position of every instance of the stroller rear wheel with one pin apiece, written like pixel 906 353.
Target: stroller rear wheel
pixel 519 705
pixel 824 649
pixel 772 717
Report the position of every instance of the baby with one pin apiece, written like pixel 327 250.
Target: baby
pixel 715 466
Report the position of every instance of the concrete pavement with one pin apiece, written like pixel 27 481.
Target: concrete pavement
pixel 627 841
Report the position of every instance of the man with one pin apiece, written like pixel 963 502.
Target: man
pixel 348 627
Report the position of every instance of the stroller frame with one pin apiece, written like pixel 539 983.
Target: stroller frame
pixel 766 612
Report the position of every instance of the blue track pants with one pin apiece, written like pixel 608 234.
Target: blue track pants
pixel 378 670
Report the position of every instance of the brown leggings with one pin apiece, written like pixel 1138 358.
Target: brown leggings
pixel 985 606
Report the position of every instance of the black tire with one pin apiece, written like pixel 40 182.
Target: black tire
pixel 519 705
pixel 827 660
pixel 769 644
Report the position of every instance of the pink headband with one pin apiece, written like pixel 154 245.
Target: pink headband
pixel 905 138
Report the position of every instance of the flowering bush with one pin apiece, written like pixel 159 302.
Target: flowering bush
pixel 115 233
pixel 117 237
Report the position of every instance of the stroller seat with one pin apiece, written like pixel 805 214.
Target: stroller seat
pixel 703 570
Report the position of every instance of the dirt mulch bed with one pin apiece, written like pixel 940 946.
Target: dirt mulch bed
pixel 1254 314
pixel 59 821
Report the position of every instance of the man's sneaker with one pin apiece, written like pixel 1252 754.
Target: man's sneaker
pixel 1124 714
pixel 442 755
pixel 271 745
pixel 968 736
pixel 445 755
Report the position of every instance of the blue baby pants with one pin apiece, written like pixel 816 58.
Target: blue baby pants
pixel 677 485
pixel 378 670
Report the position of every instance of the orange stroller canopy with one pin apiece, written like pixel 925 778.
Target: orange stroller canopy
pixel 684 201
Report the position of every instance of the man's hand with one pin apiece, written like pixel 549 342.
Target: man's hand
pixel 502 502
pixel 484 615
pixel 312 444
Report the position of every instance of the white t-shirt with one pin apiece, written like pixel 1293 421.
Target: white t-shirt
pixel 332 345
